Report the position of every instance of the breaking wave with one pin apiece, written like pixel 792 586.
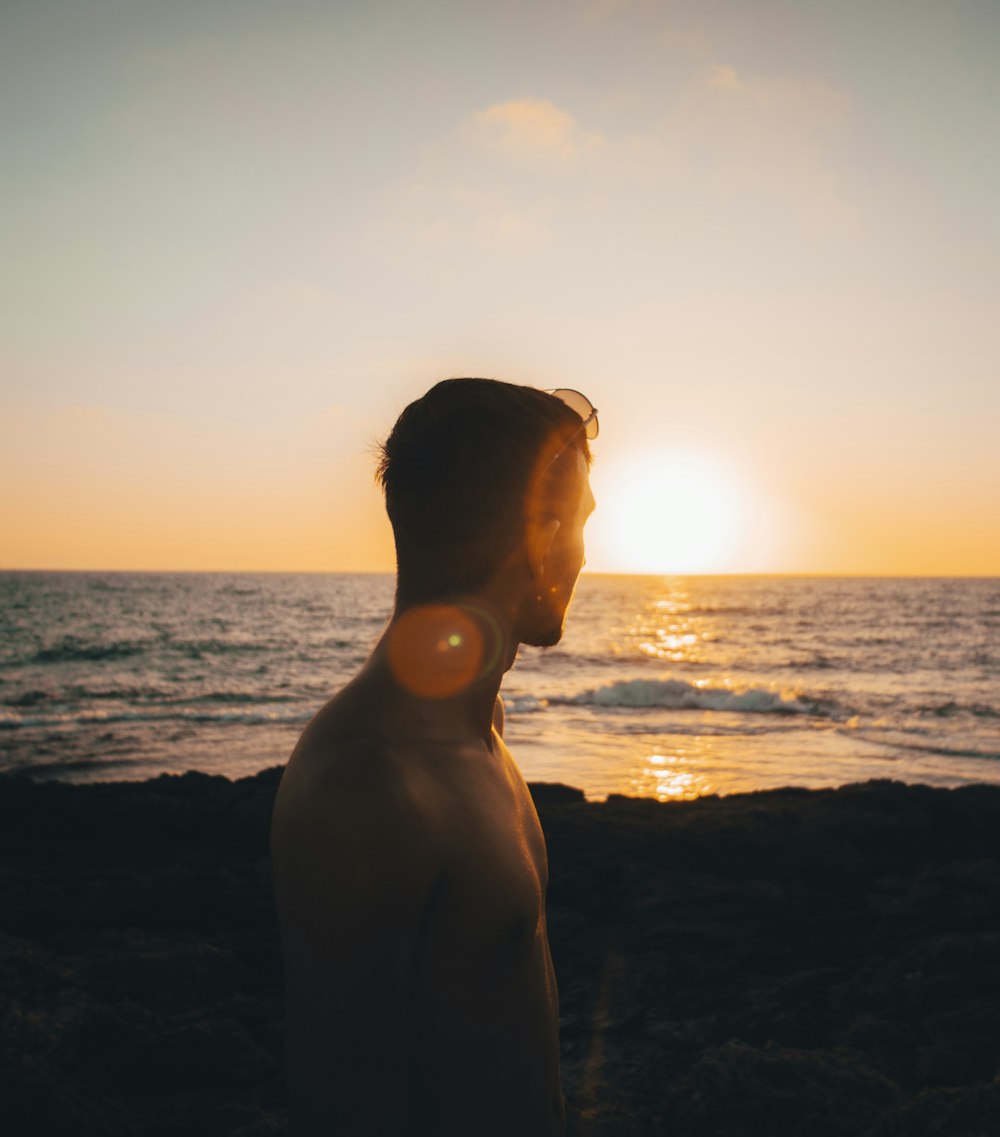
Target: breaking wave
pixel 674 694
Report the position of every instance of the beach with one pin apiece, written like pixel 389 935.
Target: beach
pixel 822 962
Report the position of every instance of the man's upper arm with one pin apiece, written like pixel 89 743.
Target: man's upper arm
pixel 355 868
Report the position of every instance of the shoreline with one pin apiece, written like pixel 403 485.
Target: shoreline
pixel 778 962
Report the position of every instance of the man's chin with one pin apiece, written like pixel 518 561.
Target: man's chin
pixel 544 637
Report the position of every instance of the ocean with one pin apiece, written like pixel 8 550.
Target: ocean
pixel 664 687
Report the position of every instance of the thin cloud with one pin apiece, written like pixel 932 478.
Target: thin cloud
pixel 737 135
pixel 721 78
pixel 533 132
pixel 509 231
pixel 777 136
pixel 494 222
pixel 437 218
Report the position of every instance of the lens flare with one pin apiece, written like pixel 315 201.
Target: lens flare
pixel 435 651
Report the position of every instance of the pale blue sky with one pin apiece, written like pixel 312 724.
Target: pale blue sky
pixel 237 237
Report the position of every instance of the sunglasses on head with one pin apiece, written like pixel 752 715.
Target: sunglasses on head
pixel 583 407
pixel 587 412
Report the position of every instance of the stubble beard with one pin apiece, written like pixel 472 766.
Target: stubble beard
pixel 544 624
pixel 547 638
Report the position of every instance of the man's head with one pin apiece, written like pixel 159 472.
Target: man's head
pixel 475 472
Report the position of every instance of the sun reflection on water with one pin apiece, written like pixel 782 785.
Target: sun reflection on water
pixel 668 645
pixel 669 628
pixel 673 605
pixel 670 777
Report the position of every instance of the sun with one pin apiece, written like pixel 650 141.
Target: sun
pixel 669 512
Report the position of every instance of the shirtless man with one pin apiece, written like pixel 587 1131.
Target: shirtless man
pixel 410 867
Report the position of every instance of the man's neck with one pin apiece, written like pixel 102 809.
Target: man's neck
pixel 448 657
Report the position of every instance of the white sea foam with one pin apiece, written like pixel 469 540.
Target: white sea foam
pixel 524 704
pixel 676 694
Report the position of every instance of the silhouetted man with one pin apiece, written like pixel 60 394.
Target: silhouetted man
pixel 410 867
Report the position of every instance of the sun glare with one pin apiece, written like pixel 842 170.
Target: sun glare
pixel 671 513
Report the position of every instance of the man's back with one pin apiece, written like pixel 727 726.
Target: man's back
pixel 410 873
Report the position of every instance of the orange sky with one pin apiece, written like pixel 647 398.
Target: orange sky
pixel 239 240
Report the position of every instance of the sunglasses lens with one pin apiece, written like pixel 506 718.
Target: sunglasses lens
pixel 583 407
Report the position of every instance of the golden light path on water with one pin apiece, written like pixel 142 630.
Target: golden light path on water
pixel 675 776
pixel 683 722
pixel 668 777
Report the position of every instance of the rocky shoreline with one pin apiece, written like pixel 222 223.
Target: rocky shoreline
pixel 821 963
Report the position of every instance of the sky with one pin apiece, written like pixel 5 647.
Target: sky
pixel 238 237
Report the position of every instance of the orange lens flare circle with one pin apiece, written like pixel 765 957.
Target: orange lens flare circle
pixel 435 651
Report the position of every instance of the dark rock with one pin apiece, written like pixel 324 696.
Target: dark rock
pixel 554 793
pixel 782 1093
pixel 822 963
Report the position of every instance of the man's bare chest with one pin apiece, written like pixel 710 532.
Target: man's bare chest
pixel 486 922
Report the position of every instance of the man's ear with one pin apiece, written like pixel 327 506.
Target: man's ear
pixel 539 542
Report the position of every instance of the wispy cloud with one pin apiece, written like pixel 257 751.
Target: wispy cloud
pixel 533 132
pixel 737 134
pixel 512 231
pixel 435 218
pixel 772 135
pixel 722 78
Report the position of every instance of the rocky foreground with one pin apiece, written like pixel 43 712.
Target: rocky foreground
pixel 800 963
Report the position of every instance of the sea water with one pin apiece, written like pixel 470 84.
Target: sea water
pixel 667 687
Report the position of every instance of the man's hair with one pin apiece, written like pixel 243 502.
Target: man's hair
pixel 464 470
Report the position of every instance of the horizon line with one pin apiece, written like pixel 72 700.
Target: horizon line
pixel 823 573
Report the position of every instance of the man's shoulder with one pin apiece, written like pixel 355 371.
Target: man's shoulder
pixel 362 770
pixel 349 816
pixel 345 740
pixel 332 774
